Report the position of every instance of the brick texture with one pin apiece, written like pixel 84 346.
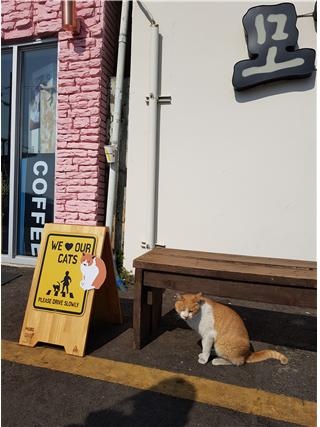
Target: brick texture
pixel 85 64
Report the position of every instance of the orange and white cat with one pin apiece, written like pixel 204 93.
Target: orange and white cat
pixel 93 271
pixel 223 328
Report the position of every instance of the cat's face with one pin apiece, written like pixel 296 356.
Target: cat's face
pixel 188 305
pixel 87 259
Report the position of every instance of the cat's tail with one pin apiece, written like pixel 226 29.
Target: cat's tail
pixel 259 356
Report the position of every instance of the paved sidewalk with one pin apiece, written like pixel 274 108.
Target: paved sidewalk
pixel 46 387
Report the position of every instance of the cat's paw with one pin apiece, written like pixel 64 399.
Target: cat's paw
pixel 202 358
pixel 219 361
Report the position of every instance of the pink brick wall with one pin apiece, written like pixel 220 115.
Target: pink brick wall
pixel 85 64
pixel 27 19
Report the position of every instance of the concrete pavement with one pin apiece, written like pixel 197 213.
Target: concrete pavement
pixel 41 389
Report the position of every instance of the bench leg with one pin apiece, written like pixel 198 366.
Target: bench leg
pixel 156 309
pixel 141 312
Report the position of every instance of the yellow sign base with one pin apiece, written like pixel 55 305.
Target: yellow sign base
pixel 59 309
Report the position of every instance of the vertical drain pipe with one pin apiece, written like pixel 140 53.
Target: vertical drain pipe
pixel 153 131
pixel 115 129
pixel 112 150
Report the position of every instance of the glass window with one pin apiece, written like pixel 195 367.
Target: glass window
pixel 6 74
pixel 38 95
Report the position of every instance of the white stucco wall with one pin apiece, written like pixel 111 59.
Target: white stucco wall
pixel 237 172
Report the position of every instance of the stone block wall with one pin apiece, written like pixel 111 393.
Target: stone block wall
pixel 29 19
pixel 85 64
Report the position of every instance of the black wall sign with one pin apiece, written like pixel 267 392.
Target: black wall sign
pixel 36 200
pixel 272 38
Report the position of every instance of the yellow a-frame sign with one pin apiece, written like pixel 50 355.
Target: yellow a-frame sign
pixel 59 307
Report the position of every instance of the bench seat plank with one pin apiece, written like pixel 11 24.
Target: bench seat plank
pixel 227 257
pixel 233 267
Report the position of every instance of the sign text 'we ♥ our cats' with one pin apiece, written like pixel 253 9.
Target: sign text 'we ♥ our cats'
pixel 59 281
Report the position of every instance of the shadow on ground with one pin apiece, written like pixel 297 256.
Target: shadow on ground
pixel 136 410
pixel 272 327
pixel 99 335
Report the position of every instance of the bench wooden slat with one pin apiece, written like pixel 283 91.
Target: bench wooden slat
pixel 300 297
pixel 224 269
pixel 230 258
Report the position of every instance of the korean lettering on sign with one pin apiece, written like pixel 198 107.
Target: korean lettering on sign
pixel 272 38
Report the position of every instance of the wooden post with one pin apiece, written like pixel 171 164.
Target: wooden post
pixel 141 312
pixel 156 309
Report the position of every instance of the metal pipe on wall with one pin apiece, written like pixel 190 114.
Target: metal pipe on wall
pixel 115 128
pixel 153 135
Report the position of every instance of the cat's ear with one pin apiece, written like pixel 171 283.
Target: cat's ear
pixel 199 296
pixel 177 297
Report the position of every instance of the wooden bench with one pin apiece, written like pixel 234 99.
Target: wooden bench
pixel 268 280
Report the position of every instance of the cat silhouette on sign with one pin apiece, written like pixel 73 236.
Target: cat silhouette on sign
pixel 93 271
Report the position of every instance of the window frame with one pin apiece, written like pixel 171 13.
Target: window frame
pixel 15 146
